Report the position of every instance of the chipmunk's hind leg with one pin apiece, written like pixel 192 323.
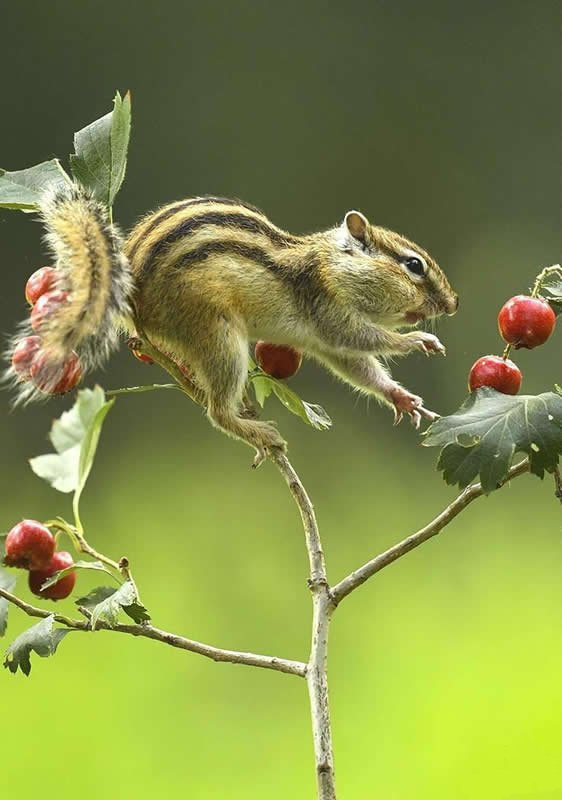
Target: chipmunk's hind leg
pixel 223 372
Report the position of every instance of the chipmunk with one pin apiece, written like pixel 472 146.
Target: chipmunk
pixel 203 277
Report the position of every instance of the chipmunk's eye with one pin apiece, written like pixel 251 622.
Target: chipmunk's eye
pixel 415 265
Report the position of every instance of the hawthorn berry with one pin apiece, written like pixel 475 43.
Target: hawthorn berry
pixel 60 589
pixel 498 373
pixel 526 321
pixel 55 378
pixel 23 355
pixel 278 360
pixel 142 357
pixel 42 281
pixel 46 306
pixel 29 545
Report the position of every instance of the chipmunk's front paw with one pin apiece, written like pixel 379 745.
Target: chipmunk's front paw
pixel 427 343
pixel 406 403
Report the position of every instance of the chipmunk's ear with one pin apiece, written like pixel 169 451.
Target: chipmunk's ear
pixel 357 225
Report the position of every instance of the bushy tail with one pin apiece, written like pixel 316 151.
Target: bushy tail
pixel 87 251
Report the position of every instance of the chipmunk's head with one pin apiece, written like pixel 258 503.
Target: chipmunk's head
pixel 413 286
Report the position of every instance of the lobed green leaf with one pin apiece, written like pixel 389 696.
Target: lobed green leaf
pixel 483 436
pixel 74 435
pixel 42 639
pixel 551 288
pixel 100 160
pixel 95 597
pixel 110 602
pixel 23 190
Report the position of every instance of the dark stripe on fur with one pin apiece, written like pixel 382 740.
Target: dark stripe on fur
pixel 301 277
pixel 169 211
pixel 224 219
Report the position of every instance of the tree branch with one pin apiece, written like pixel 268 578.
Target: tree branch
pixel 359 576
pixel 306 509
pixel 322 608
pixel 171 639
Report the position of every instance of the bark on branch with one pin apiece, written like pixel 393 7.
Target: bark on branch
pixel 171 639
pixel 359 576
pixel 322 608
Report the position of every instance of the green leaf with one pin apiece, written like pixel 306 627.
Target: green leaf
pixel 89 444
pixel 42 639
pixel 7 582
pixel 551 287
pixel 137 612
pixel 74 436
pixel 312 414
pixel 262 388
pixel 23 190
pixel 95 597
pixel 101 148
pixel 123 599
pixel 483 436
pixel 55 578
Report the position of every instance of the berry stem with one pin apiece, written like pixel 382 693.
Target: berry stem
pixel 558 484
pixel 542 276
pixel 80 543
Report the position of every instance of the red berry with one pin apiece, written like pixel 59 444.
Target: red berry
pixel 47 305
pixel 42 281
pixel 23 355
pixel 278 360
pixel 29 545
pixel 52 378
pixel 501 374
pixel 60 589
pixel 526 321
pixel 142 357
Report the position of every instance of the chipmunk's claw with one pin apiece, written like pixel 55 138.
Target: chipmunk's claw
pixel 428 343
pixel 406 403
pixel 259 458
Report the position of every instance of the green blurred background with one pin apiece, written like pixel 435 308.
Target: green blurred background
pixel 441 120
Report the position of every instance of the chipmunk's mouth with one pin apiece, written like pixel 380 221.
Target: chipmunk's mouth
pixel 412 317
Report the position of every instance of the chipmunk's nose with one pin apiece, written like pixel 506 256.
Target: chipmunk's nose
pixel 452 305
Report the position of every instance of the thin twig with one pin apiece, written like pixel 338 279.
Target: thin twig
pixel 149 387
pixel 359 576
pixel 80 542
pixel 33 611
pixel 306 509
pixel 171 639
pixel 143 345
pixel 322 608
pixel 557 484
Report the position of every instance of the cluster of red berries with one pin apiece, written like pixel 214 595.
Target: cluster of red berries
pixel 524 321
pixel 32 546
pixel 29 359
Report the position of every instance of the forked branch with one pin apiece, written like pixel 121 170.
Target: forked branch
pixel 325 599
